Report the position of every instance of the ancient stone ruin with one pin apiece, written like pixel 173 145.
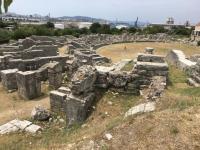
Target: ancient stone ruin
pixel 26 64
pixel 190 65
pixel 87 74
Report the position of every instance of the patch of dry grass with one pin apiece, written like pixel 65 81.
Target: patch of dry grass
pixel 108 113
pixel 13 106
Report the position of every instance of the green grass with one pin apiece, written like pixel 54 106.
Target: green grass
pixel 174 130
pixel 128 67
pixel 180 95
pixel 176 76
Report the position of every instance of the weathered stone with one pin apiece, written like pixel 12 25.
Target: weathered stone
pixel 9 79
pixel 57 101
pixel 78 107
pixel 151 66
pixel 142 108
pixel 118 79
pixel 64 90
pixel 156 87
pixel 33 129
pixel 8 128
pixel 40 114
pixel 83 80
pixel 149 50
pixel 55 75
pixel 178 58
pixel 150 58
pixel 27 43
pixel 29 85
pixel 20 124
pixel 17 125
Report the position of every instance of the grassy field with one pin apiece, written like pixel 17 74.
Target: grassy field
pixel 174 124
pixel 118 52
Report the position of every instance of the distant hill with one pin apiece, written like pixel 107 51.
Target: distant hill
pixel 83 19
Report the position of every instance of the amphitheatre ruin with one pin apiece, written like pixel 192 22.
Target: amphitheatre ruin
pixel 72 77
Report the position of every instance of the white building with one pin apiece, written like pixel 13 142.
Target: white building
pixel 121 26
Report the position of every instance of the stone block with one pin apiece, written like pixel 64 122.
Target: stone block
pixel 57 101
pixel 150 58
pixel 8 77
pixel 55 75
pixel 118 79
pixel 64 90
pixel 78 107
pixel 149 50
pixel 151 66
pixel 83 80
pixel 29 84
pixel 33 128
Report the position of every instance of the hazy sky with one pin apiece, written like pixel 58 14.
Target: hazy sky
pixel 147 10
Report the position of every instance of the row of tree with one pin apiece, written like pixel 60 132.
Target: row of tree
pixel 48 29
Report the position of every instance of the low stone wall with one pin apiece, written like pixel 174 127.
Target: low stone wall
pixel 178 58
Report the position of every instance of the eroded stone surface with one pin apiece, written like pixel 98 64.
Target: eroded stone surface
pixel 18 125
pixel 29 85
pixel 142 108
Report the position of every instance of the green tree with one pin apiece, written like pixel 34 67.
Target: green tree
pixel 6 4
pixel 105 29
pixel 182 31
pixel 95 27
pixel 154 30
pixel 50 25
pixel 132 30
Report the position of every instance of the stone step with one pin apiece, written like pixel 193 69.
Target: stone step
pixel 151 66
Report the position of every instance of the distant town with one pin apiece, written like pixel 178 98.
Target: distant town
pixel 86 22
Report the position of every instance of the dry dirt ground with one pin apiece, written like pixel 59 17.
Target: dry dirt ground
pixel 118 52
pixel 174 125
pixel 12 106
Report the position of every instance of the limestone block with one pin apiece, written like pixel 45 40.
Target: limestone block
pixel 142 108
pixel 83 80
pixel 8 77
pixel 57 101
pixel 118 79
pixel 78 107
pixel 151 66
pixel 149 50
pixel 64 90
pixel 150 58
pixel 29 85
pixel 55 75
pixel 33 128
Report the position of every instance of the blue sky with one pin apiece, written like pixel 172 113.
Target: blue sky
pixel 147 10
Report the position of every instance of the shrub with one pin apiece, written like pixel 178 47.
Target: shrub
pixel 23 32
pixel 154 30
pixel 50 25
pixel 181 31
pixel 5 35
